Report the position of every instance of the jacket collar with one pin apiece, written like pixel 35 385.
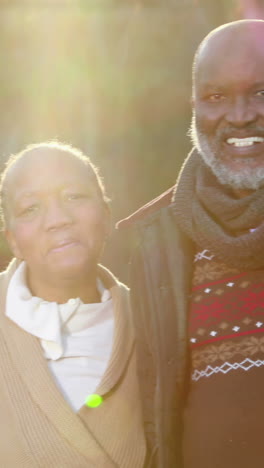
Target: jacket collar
pixel 154 205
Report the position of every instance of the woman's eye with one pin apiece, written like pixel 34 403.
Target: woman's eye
pixel 75 196
pixel 29 209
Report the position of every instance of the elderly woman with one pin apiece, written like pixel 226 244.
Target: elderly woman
pixel 68 387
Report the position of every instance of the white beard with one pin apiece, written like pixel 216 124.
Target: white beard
pixel 246 178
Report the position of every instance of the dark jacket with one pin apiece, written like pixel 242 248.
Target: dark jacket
pixel 160 280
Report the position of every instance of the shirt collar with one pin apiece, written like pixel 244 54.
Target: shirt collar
pixel 45 319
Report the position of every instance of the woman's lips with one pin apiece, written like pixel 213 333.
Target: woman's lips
pixel 64 245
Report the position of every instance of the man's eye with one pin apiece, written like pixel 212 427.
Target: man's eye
pixel 260 93
pixel 216 97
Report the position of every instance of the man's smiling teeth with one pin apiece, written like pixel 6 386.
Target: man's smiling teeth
pixel 249 141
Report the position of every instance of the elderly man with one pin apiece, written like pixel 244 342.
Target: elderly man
pixel 198 276
pixel 68 385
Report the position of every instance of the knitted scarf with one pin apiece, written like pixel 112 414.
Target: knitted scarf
pixel 214 219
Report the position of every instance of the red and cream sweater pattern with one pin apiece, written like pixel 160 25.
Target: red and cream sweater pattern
pixel 226 327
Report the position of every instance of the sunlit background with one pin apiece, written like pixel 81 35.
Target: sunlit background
pixel 111 77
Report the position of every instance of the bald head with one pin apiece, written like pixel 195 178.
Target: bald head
pixel 224 40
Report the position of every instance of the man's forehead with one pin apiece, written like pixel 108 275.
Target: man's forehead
pixel 245 39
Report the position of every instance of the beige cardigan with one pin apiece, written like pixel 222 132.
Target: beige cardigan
pixel 37 426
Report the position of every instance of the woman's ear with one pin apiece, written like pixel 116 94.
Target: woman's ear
pixel 10 238
pixel 107 220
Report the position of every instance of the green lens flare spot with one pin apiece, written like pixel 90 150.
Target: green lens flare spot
pixel 92 401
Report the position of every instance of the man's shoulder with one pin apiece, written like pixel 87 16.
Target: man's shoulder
pixel 151 207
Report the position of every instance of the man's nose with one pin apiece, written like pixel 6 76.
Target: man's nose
pixel 57 214
pixel 241 112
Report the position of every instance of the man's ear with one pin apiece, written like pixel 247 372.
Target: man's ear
pixel 10 238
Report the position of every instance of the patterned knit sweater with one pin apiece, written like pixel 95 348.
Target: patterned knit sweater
pixel 224 417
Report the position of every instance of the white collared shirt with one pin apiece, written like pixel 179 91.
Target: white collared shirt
pixel 76 338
